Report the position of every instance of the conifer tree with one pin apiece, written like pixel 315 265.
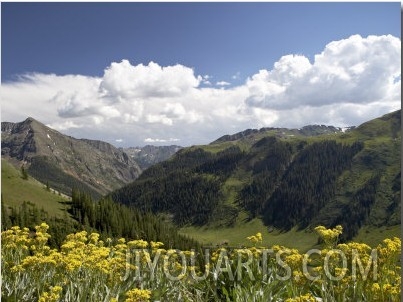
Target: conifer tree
pixel 24 174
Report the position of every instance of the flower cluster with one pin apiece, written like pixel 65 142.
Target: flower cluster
pixel 138 295
pixel 329 236
pixel 86 268
pixel 255 238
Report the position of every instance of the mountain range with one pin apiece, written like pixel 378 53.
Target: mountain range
pixel 284 178
pixel 64 162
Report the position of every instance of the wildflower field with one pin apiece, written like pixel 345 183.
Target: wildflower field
pixel 86 268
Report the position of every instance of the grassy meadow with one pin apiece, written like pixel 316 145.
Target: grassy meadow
pixel 15 190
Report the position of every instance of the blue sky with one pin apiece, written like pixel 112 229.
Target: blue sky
pixel 213 72
pixel 219 39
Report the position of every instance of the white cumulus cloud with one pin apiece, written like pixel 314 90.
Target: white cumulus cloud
pixel 353 70
pixel 350 81
pixel 145 81
pixel 223 83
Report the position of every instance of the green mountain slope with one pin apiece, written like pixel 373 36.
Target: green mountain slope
pixel 287 179
pixel 15 190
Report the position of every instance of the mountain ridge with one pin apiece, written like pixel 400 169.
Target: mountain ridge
pixel 94 166
pixel 308 130
pixel 253 174
pixel 348 177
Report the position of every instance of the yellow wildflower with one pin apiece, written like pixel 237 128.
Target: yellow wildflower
pixel 52 296
pixel 138 295
pixel 156 245
pixel 255 238
pixel 304 298
pixel 139 244
pixel 329 236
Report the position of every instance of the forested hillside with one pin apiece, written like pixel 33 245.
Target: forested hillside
pixel 288 180
pixel 109 219
pixel 26 202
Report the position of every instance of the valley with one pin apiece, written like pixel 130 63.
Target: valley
pixel 280 182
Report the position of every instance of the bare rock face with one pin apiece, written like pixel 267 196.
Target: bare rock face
pixel 53 157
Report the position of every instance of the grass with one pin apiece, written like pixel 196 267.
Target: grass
pixel 236 236
pixel 301 240
pixel 233 185
pixel 215 148
pixel 374 235
pixel 16 190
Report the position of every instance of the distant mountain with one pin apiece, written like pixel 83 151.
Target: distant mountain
pixel 65 162
pixel 296 178
pixel 310 130
pixel 150 155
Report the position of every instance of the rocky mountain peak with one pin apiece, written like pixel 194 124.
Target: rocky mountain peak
pixel 98 165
